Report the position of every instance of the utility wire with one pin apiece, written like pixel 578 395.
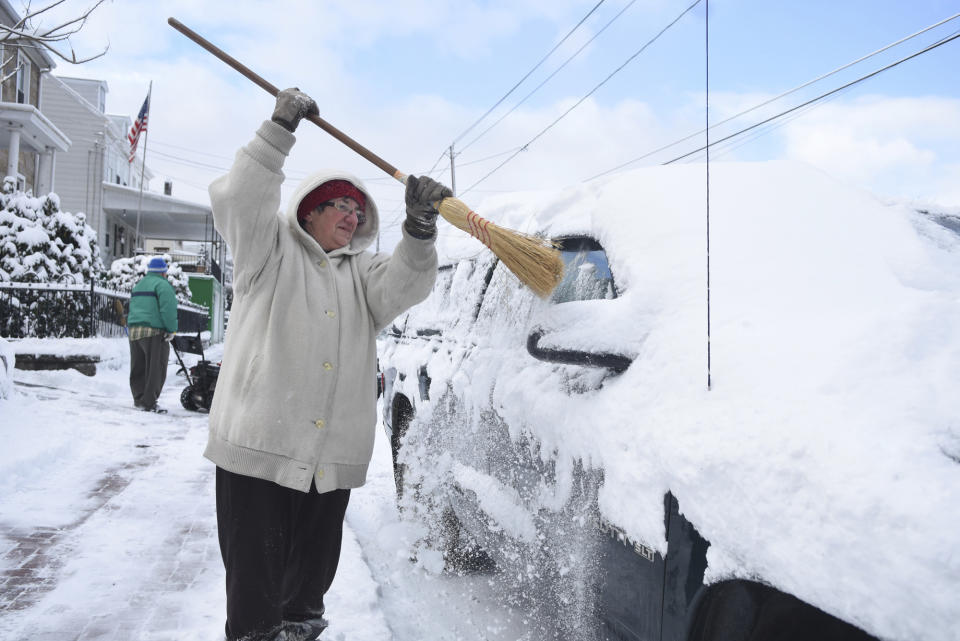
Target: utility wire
pixel 443 155
pixel 480 160
pixel 194 151
pixel 188 162
pixel 590 93
pixel 548 78
pixel 819 98
pixel 535 67
pixel 724 149
pixel 777 97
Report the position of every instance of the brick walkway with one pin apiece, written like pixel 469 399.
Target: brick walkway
pixel 137 559
pixel 32 558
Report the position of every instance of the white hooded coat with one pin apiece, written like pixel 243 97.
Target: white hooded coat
pixel 296 396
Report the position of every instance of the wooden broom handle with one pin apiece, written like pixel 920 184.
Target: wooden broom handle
pixel 273 91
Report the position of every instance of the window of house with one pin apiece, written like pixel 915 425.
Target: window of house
pixel 102 99
pixel 23 79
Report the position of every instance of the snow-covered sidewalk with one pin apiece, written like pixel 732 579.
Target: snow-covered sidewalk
pixel 108 530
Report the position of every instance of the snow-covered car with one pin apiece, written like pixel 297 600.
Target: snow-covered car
pixel 797 476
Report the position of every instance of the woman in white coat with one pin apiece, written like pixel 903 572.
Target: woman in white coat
pixel 292 422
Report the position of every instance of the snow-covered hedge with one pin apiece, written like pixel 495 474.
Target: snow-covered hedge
pixel 41 244
pixel 125 272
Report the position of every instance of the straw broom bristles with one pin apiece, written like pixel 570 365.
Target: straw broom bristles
pixel 535 261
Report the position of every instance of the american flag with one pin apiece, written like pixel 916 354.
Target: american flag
pixel 138 127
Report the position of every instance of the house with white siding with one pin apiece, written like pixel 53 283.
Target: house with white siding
pixel 97 155
pixel 29 140
pixel 95 176
pixel 56 136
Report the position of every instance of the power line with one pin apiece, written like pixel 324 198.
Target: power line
pixel 820 97
pixel 188 162
pixel 775 98
pixel 590 93
pixel 725 148
pixel 535 67
pixel 550 77
pixel 443 155
pixel 194 151
pixel 480 160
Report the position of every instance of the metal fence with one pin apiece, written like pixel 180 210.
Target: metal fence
pixel 47 310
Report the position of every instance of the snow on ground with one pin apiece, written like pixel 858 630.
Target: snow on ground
pixel 108 529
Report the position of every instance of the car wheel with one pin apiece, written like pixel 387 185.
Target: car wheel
pixel 186 399
pixel 402 415
pixel 740 610
pixel 461 554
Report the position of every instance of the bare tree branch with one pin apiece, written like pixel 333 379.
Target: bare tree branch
pixel 13 73
pixel 24 34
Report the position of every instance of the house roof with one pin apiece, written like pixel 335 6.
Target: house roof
pixel 37 132
pixel 161 217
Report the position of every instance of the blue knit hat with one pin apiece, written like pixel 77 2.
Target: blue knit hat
pixel 157 264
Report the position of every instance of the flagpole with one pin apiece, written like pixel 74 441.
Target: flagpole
pixel 143 164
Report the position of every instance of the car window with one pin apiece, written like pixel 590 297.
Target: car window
pixel 586 273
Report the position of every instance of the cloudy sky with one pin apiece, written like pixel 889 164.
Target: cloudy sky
pixel 408 79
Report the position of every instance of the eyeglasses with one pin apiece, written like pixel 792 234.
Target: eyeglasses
pixel 346 209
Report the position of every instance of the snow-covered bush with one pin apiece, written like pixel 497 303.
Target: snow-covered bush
pixel 124 273
pixel 41 244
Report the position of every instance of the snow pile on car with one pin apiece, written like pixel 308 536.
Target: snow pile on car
pixel 824 456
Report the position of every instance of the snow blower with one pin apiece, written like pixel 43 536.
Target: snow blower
pixel 197 396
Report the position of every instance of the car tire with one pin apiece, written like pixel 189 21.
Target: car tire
pixel 461 554
pixel 741 610
pixel 402 415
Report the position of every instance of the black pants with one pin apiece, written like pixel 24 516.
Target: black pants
pixel 148 369
pixel 280 548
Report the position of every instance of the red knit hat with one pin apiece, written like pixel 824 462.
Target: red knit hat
pixel 328 191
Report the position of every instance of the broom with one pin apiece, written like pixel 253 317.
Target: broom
pixel 535 261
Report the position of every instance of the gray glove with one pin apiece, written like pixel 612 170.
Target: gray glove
pixel 422 194
pixel 292 106
pixel 168 336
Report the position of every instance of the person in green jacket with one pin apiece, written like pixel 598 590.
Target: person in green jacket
pixel 152 324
